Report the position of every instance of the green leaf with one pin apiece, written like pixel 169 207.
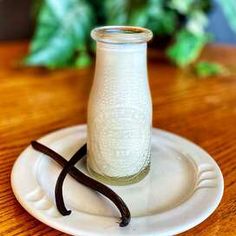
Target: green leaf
pixel 116 11
pixel 83 60
pixel 62 27
pixel 126 12
pixel 202 5
pixel 46 25
pixel 186 48
pixel 161 20
pixel 229 9
pixel 163 23
pixel 139 16
pixel 182 6
pixel 197 22
pixel 57 53
pixel 205 69
pixel 155 8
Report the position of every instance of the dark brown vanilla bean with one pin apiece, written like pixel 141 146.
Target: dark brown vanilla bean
pixel 89 182
pixel 60 180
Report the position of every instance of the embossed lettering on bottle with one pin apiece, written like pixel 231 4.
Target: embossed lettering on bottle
pixel 119 113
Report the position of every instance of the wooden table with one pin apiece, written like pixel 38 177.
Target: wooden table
pixel 34 102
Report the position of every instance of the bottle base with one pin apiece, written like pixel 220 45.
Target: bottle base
pixel 119 181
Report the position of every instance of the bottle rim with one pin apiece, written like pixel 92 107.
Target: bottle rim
pixel 121 34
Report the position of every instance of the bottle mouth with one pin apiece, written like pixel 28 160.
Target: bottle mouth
pixel 121 34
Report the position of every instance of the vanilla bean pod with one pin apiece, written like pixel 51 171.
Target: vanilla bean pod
pixel 89 182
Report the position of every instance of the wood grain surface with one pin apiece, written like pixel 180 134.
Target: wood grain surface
pixel 34 102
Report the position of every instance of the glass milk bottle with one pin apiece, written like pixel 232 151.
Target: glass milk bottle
pixel 120 106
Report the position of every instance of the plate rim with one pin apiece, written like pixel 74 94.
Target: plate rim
pixel 57 224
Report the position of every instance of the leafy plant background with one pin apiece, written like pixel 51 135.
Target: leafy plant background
pixel 62 34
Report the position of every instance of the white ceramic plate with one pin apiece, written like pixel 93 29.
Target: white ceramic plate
pixel 183 188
